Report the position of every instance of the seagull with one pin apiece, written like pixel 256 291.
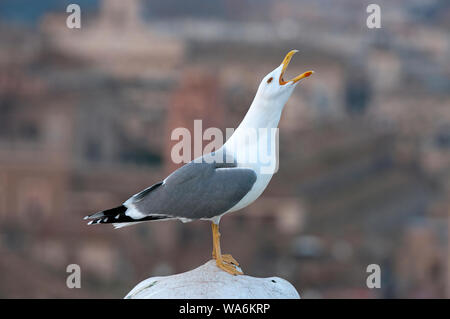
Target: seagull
pixel 220 182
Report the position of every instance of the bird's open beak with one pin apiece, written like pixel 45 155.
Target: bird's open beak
pixel 285 64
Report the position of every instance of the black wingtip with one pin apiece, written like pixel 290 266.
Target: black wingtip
pixel 117 215
pixel 105 215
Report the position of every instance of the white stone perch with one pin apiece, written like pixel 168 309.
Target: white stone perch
pixel 210 282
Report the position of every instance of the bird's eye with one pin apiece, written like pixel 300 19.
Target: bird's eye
pixel 269 80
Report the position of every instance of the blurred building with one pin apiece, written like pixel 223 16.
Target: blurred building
pixel 86 117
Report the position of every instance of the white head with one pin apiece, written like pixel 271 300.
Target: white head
pixel 274 88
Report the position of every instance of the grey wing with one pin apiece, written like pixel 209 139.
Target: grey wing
pixel 197 190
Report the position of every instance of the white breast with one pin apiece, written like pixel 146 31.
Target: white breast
pixel 263 116
pixel 258 188
pixel 264 166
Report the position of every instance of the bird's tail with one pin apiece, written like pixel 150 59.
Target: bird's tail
pixel 117 217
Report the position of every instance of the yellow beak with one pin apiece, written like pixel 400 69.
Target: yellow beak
pixel 285 64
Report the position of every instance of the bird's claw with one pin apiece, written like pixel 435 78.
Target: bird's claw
pixel 228 267
pixel 230 259
pixel 227 258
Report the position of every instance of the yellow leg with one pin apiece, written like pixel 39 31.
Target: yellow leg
pixel 225 257
pixel 224 262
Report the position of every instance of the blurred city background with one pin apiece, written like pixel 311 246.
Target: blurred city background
pixel 86 116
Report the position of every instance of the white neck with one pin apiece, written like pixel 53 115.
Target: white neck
pixel 262 113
